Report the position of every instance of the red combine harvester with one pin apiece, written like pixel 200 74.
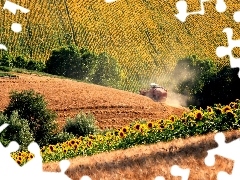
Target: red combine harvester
pixel 156 93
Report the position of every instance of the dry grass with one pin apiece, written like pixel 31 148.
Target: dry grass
pixel 147 162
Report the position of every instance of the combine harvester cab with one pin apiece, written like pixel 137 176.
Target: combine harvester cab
pixel 156 93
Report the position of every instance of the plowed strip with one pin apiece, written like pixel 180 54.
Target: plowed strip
pixel 111 107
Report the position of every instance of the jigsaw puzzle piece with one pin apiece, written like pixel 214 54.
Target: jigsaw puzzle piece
pixel 221 6
pixel 177 171
pixel 12 7
pixel 222 51
pixel 182 10
pixel 34 165
pixel 225 176
pixel 64 165
pixel 5 125
pixel 226 150
pixel 236 16
pixel 85 178
pixel 2 46
pixel 202 11
pixel 9 165
pixel 159 178
pixel 54 175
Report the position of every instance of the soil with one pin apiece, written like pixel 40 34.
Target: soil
pixel 112 108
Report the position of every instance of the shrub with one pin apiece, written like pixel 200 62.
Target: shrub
pixel 18 130
pixel 7 60
pixel 20 62
pixel 5 69
pixel 70 62
pixel 32 107
pixel 35 65
pixel 61 137
pixel 82 125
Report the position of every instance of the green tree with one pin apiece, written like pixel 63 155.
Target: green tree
pixel 32 107
pixel 106 71
pixel 190 75
pixel 222 87
pixel 69 61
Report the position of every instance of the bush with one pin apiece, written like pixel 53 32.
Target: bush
pixel 5 69
pixel 18 130
pixel 32 107
pixel 7 60
pixel 35 65
pixel 82 125
pixel 106 71
pixel 61 137
pixel 20 62
pixel 70 62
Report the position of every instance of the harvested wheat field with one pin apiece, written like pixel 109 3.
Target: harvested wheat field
pixel 112 108
pixel 150 161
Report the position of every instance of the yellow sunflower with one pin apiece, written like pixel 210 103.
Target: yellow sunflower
pixel 209 109
pixel 198 115
pixel 233 105
pixel 137 127
pixel 225 109
pixel 172 118
pixel 125 129
pixel 121 134
pixel 231 114
pixel 150 125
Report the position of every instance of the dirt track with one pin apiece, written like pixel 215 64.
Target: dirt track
pixel 111 107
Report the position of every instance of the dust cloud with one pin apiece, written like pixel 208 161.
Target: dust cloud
pixel 170 81
pixel 176 100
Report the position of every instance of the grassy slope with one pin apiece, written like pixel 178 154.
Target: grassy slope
pixel 147 162
pixel 142 34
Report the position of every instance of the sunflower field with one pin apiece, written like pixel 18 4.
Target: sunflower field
pixel 144 36
pixel 195 122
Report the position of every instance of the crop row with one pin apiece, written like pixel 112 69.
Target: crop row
pixel 197 121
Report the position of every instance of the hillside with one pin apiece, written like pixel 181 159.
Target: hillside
pixel 111 107
pixel 143 35
pixel 149 161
